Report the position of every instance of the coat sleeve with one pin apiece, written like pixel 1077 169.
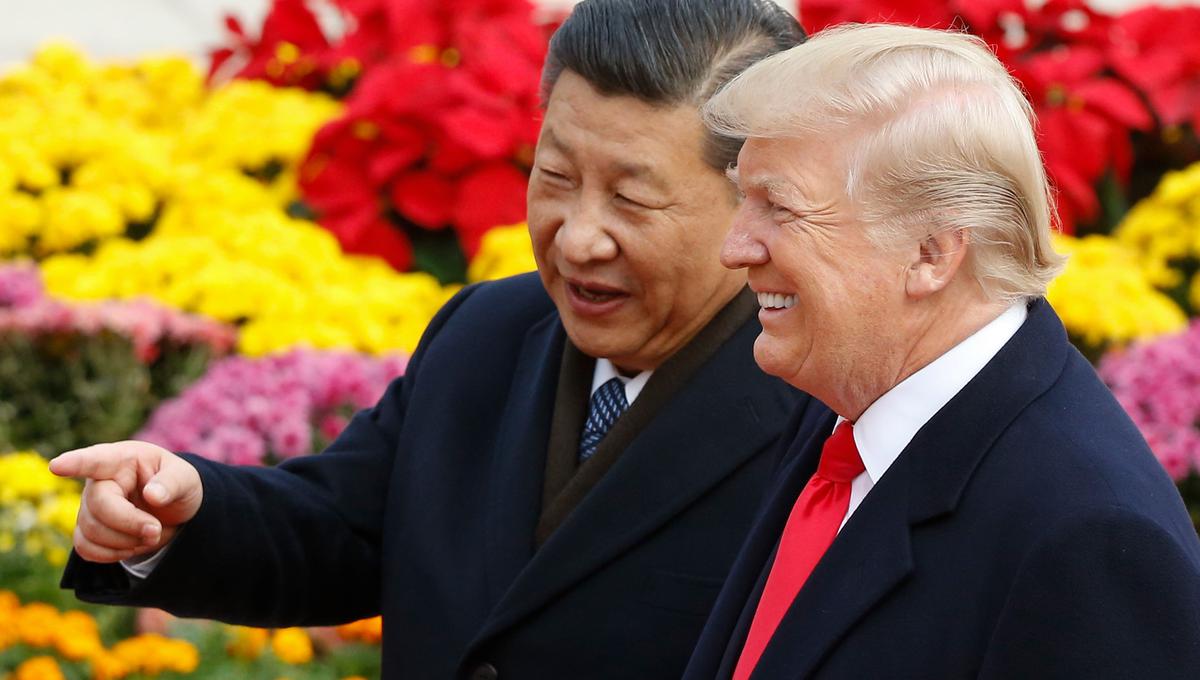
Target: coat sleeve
pixel 296 544
pixel 1109 594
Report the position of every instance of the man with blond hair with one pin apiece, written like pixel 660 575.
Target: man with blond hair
pixel 983 507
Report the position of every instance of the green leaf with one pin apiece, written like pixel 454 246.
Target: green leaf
pixel 438 253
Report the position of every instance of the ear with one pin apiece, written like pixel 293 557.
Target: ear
pixel 938 259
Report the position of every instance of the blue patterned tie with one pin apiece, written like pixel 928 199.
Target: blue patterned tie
pixel 608 402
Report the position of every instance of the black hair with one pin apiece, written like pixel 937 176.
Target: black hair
pixel 669 52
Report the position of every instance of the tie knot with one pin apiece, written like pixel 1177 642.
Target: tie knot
pixel 607 404
pixel 840 461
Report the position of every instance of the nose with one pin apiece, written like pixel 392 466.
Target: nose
pixel 742 248
pixel 583 238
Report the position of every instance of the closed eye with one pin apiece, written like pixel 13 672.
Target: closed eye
pixel 622 198
pixel 554 176
pixel 777 212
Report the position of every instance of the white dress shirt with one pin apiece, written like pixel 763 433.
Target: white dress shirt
pixel 889 424
pixel 605 371
pixel 141 567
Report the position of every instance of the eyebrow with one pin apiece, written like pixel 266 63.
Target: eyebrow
pixel 776 189
pixel 626 169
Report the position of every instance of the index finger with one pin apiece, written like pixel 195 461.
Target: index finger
pixel 100 461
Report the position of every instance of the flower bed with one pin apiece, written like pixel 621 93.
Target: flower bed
pixel 311 204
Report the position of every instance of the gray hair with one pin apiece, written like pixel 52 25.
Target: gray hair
pixel 939 137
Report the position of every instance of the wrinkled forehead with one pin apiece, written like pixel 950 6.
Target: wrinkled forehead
pixel 791 169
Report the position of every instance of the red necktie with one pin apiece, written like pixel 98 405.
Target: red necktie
pixel 810 530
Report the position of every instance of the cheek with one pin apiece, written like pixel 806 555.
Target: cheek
pixel 542 233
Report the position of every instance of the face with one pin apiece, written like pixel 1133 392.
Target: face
pixel 627 222
pixel 831 299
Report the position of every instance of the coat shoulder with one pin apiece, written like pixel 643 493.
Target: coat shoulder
pixel 1077 454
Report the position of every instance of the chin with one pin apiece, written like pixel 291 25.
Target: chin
pixel 768 360
pixel 585 341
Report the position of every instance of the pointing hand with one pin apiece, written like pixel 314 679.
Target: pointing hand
pixel 135 497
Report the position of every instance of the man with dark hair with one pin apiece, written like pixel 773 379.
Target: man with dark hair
pixel 559 484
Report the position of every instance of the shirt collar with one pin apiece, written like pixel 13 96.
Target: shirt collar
pixel 605 371
pixel 888 425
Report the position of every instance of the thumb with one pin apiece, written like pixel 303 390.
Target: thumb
pixel 174 490
pixel 158 491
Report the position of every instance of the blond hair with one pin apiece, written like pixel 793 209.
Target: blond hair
pixel 939 137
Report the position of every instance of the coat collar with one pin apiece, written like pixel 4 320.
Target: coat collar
pixel 518 464
pixel 873 553
pixel 723 413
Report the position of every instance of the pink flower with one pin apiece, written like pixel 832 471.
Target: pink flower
pixel 20 285
pixel 332 425
pixel 237 445
pixel 291 437
pixel 1158 383
pixel 24 308
pixel 280 401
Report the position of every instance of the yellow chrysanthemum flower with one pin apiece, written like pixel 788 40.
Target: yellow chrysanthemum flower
pixel 504 251
pixel 1164 229
pixel 1105 298
pixel 37 507
pixel 101 148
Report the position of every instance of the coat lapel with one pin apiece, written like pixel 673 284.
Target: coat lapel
pixel 873 553
pixel 735 608
pixel 520 455
pixel 710 427
pixel 871 556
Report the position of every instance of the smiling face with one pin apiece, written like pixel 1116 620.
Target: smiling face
pixel 627 222
pixel 833 303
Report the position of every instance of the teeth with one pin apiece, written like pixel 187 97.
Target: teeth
pixel 593 296
pixel 776 301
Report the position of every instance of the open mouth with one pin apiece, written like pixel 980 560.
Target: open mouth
pixel 596 294
pixel 776 300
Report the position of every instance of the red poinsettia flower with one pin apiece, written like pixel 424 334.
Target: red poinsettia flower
pixel 441 116
pixel 335 181
pixel 818 14
pixel 284 53
pixel 441 130
pixel 1157 50
pixel 425 197
pixel 491 195
pixel 1085 120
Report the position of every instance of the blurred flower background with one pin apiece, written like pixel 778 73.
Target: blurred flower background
pixel 231 255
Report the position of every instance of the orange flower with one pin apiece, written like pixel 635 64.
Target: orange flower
pixel 366 630
pixel 152 654
pixel 108 666
pixel 78 636
pixel 37 623
pixel 39 668
pixel 8 602
pixel 292 645
pixel 9 606
pixel 247 643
